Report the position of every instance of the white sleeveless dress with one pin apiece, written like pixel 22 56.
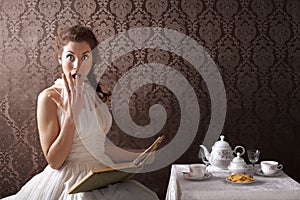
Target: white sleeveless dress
pixel 87 149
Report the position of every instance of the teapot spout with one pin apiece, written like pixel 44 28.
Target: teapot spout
pixel 203 150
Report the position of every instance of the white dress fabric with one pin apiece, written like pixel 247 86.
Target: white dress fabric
pixel 87 150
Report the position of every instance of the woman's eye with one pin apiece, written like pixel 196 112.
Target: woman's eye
pixel 70 57
pixel 85 57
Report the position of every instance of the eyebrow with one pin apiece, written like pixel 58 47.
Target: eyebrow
pixel 82 53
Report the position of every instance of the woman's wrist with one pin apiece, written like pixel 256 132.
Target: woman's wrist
pixel 69 120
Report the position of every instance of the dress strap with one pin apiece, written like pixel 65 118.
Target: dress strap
pixel 57 91
pixel 59 84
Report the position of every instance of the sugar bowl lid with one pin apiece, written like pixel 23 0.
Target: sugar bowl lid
pixel 238 161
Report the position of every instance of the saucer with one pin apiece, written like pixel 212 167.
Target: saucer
pixel 261 173
pixel 187 175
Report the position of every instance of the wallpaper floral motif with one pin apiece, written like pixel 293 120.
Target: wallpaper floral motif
pixel 255 44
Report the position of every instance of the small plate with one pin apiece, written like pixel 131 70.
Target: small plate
pixel 240 177
pixel 187 175
pixel 260 173
pixel 240 183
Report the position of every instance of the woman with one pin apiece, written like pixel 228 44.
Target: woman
pixel 72 139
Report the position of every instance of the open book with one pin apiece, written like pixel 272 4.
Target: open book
pixel 101 177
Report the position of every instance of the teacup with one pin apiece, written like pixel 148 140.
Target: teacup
pixel 270 167
pixel 197 170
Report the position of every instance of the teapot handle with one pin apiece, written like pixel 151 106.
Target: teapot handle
pixel 241 148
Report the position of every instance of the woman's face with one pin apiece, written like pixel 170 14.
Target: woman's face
pixel 76 59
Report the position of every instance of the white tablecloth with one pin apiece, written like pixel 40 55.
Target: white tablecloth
pixel 272 188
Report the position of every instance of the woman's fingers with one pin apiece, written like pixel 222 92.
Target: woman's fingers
pixel 77 80
pixel 70 81
pixel 66 83
pixel 83 88
pixel 79 86
pixel 75 90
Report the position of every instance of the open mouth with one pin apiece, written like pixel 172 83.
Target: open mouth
pixel 76 75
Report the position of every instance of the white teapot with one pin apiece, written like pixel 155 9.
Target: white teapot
pixel 221 154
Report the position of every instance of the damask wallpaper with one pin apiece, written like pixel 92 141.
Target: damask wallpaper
pixel 255 45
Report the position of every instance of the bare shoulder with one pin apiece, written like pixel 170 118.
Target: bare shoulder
pixel 46 107
pixel 44 95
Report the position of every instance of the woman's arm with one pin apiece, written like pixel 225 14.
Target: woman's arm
pixel 56 143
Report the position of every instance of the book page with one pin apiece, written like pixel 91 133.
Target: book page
pixel 143 157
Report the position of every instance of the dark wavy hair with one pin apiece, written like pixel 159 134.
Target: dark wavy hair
pixel 80 33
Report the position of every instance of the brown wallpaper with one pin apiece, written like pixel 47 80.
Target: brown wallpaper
pixel 255 44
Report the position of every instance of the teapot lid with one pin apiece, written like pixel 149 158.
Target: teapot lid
pixel 221 143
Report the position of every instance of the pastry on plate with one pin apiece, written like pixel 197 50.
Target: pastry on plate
pixel 241 178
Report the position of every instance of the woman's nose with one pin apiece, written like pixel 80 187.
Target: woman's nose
pixel 77 65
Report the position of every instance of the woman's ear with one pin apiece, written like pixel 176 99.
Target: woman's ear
pixel 59 60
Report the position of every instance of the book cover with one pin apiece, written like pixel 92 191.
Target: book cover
pixel 101 177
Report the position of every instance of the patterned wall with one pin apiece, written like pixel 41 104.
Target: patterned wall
pixel 255 43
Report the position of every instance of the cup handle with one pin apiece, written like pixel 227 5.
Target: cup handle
pixel 279 167
pixel 242 153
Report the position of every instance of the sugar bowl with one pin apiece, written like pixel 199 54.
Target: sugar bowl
pixel 237 165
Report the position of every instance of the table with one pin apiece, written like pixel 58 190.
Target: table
pixel 271 188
